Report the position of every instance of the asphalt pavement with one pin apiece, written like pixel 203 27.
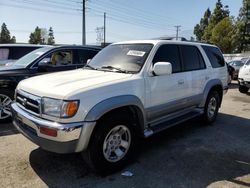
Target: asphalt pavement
pixel 189 155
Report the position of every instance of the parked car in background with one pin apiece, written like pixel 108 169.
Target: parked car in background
pixel 236 64
pixel 40 61
pixel 9 53
pixel 244 77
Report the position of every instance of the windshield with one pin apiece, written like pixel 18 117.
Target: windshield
pixel 122 57
pixel 30 57
pixel 236 63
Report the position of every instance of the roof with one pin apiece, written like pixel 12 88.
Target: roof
pixel 78 46
pixel 22 45
pixel 154 42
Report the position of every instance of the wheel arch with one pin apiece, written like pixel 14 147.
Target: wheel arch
pixel 120 104
pixel 212 85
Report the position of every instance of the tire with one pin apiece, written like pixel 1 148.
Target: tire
pixel 211 107
pixel 6 97
pixel 113 136
pixel 243 89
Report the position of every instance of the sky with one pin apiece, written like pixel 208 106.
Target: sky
pixel 126 20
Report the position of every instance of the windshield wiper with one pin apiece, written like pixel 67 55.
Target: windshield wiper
pixel 116 68
pixel 89 66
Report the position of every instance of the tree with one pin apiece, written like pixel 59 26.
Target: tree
pixel 243 27
pixel 199 28
pixel 51 38
pixel 5 35
pixel 222 35
pixel 35 37
pixel 220 12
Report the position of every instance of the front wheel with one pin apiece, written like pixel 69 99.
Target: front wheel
pixel 6 97
pixel 212 107
pixel 112 144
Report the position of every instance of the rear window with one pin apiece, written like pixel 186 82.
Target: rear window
pixel 215 56
pixel 18 52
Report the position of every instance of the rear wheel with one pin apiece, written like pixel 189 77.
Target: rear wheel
pixel 243 89
pixel 112 144
pixel 212 107
pixel 6 97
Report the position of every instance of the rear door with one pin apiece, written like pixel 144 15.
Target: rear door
pixel 245 71
pixel 197 74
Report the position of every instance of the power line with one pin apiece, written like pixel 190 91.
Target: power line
pixel 38 9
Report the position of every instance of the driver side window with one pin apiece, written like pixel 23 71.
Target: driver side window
pixel 58 58
pixel 169 53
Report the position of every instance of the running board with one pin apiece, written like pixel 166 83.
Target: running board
pixel 172 122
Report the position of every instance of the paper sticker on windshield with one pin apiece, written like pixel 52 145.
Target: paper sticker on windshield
pixel 39 53
pixel 136 53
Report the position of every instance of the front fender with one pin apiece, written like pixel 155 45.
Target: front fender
pixel 113 103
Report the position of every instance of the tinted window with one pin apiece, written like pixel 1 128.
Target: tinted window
pixel 18 52
pixel 248 62
pixel 84 55
pixel 215 56
pixel 192 59
pixel 169 53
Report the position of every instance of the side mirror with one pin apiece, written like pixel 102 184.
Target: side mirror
pixel 88 61
pixel 162 68
pixel 44 65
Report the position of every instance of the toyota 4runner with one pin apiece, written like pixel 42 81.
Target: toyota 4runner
pixel 128 90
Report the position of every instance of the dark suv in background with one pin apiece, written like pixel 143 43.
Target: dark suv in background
pixel 40 61
pixel 11 52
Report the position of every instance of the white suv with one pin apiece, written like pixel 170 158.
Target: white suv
pixel 128 90
pixel 244 77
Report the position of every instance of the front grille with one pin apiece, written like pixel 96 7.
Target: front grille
pixel 28 101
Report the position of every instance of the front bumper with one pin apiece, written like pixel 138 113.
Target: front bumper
pixel 71 137
pixel 244 83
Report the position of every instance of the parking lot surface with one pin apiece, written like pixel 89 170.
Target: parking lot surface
pixel 189 155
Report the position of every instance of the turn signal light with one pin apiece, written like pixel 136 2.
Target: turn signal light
pixel 48 131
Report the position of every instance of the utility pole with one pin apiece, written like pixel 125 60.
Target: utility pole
pixel 177 31
pixel 104 30
pixel 83 24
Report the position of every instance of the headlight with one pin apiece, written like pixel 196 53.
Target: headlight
pixel 59 108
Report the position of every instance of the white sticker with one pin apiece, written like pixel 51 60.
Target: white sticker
pixel 39 53
pixel 136 53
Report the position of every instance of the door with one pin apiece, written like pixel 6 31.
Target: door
pixel 197 74
pixel 166 93
pixel 59 60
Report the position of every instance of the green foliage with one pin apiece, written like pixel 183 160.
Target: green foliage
pixel 200 28
pixel 220 12
pixel 51 38
pixel 222 35
pixel 35 37
pixel 5 35
pixel 243 27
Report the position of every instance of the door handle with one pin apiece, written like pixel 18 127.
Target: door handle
pixel 180 82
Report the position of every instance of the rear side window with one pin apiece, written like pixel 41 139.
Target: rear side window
pixel 192 58
pixel 4 53
pixel 169 53
pixel 84 55
pixel 215 56
pixel 18 52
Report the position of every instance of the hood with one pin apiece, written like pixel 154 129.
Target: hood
pixel 60 85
